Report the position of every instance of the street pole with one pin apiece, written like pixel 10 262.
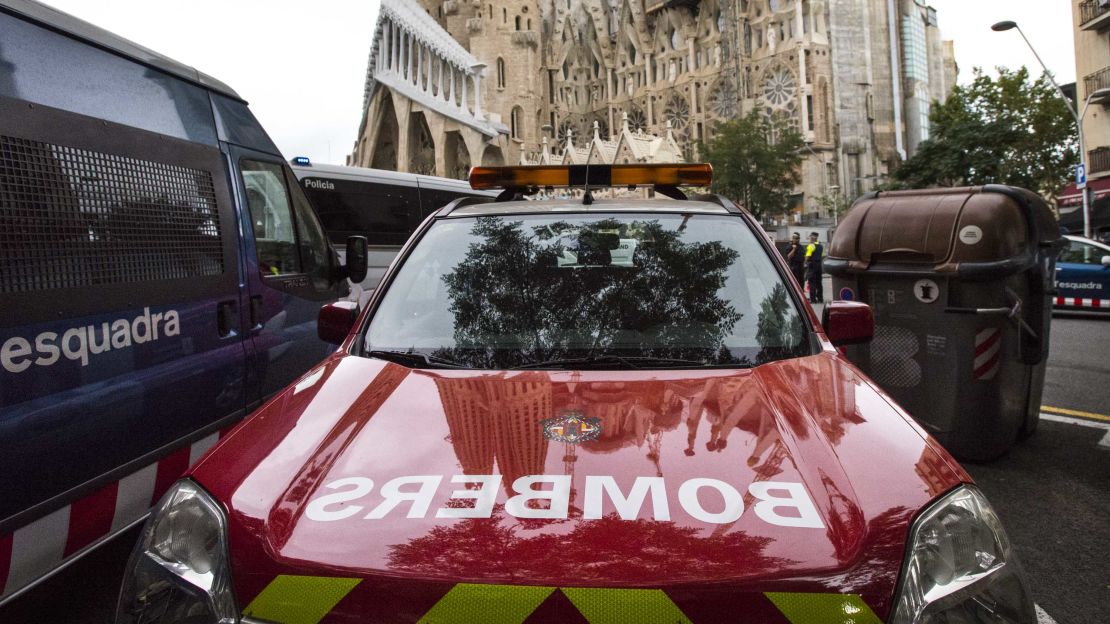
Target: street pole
pixel 1010 25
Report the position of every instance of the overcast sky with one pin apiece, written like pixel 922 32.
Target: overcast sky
pixel 302 66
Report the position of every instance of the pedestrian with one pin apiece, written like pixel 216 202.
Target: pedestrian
pixel 796 258
pixel 815 254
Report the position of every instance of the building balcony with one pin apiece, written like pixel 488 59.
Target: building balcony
pixel 1098 160
pixel 1094 15
pixel 1097 86
pixel 526 38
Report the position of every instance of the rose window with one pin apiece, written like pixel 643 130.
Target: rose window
pixel 725 99
pixel 677 112
pixel 637 121
pixel 779 88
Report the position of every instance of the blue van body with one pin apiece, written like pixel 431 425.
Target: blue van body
pixel 1083 275
pixel 161 272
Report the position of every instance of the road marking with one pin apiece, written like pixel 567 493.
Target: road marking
pixel 1044 618
pixel 1082 422
pixel 1068 412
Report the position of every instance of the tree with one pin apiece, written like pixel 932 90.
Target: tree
pixel 1008 130
pixel 755 161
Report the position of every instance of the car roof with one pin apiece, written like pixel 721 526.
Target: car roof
pixel 575 205
pixel 1089 241
pixel 63 22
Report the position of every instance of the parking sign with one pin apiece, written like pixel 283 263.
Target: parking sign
pixel 1080 176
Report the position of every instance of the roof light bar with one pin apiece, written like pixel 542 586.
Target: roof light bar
pixel 485 178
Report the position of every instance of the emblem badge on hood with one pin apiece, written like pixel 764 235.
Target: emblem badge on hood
pixel 572 427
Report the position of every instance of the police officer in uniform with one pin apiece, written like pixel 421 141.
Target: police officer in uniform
pixel 815 254
pixel 796 259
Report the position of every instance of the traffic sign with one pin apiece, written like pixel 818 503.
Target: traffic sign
pixel 1080 176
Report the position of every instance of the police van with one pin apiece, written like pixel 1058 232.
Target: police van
pixel 1083 275
pixel 160 275
pixel 384 206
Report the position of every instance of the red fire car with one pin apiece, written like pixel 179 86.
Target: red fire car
pixel 583 409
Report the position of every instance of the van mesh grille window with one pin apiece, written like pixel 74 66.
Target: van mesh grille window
pixel 73 217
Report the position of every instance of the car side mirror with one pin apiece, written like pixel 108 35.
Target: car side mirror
pixel 848 322
pixel 1106 261
pixel 336 320
pixel 358 253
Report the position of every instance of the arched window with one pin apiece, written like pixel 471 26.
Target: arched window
pixel 516 21
pixel 500 73
pixel 515 119
pixel 504 16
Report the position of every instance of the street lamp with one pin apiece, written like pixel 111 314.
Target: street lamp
pixel 1010 25
pixel 835 190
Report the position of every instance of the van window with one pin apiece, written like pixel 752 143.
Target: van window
pixel 433 199
pixel 315 249
pixel 384 214
pixel 73 218
pixel 272 217
pixel 1081 253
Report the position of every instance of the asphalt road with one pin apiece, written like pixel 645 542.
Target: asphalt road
pixel 1052 492
pixel 1078 376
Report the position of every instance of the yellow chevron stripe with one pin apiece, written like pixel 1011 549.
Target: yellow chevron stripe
pixel 299 599
pixel 489 604
pixel 617 606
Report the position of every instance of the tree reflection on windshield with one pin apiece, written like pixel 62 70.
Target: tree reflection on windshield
pixel 779 325
pixel 567 291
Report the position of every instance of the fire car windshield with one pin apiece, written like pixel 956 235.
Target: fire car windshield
pixel 587 291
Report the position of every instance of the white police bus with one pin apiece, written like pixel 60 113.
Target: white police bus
pixel 384 206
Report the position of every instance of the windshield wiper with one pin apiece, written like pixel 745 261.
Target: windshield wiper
pixel 413 359
pixel 629 361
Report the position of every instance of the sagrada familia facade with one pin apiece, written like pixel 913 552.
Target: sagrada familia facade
pixel 456 83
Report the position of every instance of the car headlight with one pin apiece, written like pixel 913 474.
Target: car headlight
pixel 960 568
pixel 179 570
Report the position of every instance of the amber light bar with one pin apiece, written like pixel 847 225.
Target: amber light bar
pixel 485 178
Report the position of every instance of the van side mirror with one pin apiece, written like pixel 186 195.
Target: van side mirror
pixel 848 322
pixel 358 253
pixel 336 320
pixel 1106 261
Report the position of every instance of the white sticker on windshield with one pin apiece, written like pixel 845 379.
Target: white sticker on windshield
pixel 622 255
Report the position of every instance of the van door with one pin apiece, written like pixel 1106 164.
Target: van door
pixel 289 272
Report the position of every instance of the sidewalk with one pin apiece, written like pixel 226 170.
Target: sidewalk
pixel 829 295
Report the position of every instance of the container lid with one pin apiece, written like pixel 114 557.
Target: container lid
pixel 942 229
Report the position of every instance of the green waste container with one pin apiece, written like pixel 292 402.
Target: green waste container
pixel 960 282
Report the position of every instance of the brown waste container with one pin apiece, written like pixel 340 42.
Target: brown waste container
pixel 960 283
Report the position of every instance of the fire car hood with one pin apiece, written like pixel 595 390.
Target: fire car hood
pixel 852 468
